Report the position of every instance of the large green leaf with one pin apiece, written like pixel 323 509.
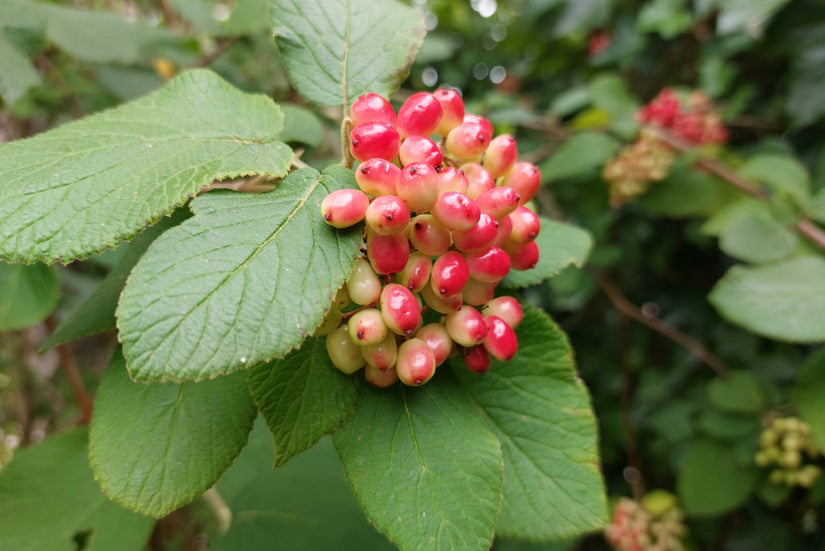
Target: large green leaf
pixel 424 466
pixel 560 245
pixel 783 174
pixel 751 16
pixel 710 481
pixel 757 239
pixel 17 74
pixel 783 301
pixel 86 185
pixel 540 411
pixel 155 447
pixel 582 155
pixel 302 397
pixel 808 392
pixel 610 93
pixel 28 295
pixel 335 50
pixel 244 281
pixel 48 497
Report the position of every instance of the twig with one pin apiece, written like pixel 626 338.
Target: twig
pixel 346 155
pixel 633 472
pixel 169 16
pixel 69 365
pixel 222 512
pixel 222 46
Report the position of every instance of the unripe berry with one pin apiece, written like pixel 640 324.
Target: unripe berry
pixel 341 299
pixel 400 309
pixel 500 155
pixel 452 108
pixel 416 362
pixel 501 341
pixel 485 124
pixel 477 359
pixel 374 139
pixel 388 254
pixel 377 176
pixel 419 149
pixel 456 211
pixel 440 304
pixel 344 353
pixel 450 274
pixel 367 327
pixel 525 178
pixel 477 293
pixel 380 379
pixel 479 236
pixel 344 207
pixel 416 274
pixel 363 284
pixel 419 115
pixel 388 214
pixel 418 186
pixel 467 141
pixel 507 308
pixel 498 202
pixel 523 257
pixel 330 323
pixel 371 108
pixel 428 236
pixel 478 179
pixel 526 225
pixel 490 265
pixel 505 228
pixel 382 355
pixel 466 326
pixel 452 179
pixel 439 341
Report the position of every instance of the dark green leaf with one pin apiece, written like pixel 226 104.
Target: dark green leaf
pixel 727 426
pixel 686 192
pixel 739 392
pixel 710 480
pixel 29 294
pixel 808 394
pixel 581 155
pixel 610 93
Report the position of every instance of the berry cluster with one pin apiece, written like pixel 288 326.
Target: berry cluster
pixel 635 527
pixel 692 119
pixel 787 445
pixel 636 167
pixel 445 222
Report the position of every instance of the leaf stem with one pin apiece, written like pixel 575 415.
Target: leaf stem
pixel 69 365
pixel 222 512
pixel 346 127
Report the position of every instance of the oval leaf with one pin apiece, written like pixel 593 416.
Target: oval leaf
pixel 87 185
pixel 711 481
pixel 808 392
pixel 29 294
pixel 244 281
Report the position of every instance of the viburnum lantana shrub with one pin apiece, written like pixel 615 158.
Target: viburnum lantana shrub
pixel 234 310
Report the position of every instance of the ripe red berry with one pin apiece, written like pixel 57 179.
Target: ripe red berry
pixel 383 355
pixel 419 149
pixel 380 379
pixel 500 155
pixel 388 254
pixel 387 214
pixel 371 108
pixel 505 227
pixel 477 293
pixel 419 115
pixel 490 265
pixel 344 207
pixel 367 327
pixel 363 285
pixel 485 124
pixel 452 179
pixel 479 236
pixel 442 305
pixel 452 108
pixel 456 211
pixel 522 257
pixel 416 274
pixel 526 225
pixel 416 362
pixel 450 274
pixel 507 308
pixel 374 139
pixel 499 201
pixel 377 176
pixel 477 359
pixel 501 341
pixel 466 326
pixel 525 179
pixel 437 338
pixel 345 354
pixel 478 179
pixel 418 186
pixel 400 309
pixel 428 236
pixel 467 141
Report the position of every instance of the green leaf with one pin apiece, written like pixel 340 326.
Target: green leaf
pixel 751 16
pixel 560 245
pixel 244 281
pixel 710 481
pixel 336 50
pixel 727 426
pixel 686 192
pixel 666 17
pixel 156 447
pixel 816 209
pixel 610 93
pixel 505 544
pixel 424 466
pixel 83 187
pixel 757 239
pixel 782 173
pixel 48 496
pixel 581 155
pixel 302 397
pixel 304 505
pixel 783 301
pixel 724 218
pixel 808 392
pixel 301 125
pixel 540 411
pixel 17 74
pixel 29 294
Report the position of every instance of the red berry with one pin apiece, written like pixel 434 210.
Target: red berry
pixel 428 236
pixel 380 379
pixel 478 179
pixel 416 274
pixel 418 149
pixel 525 178
pixel 500 155
pixel 377 176
pixel 437 338
pixel 489 265
pixel 400 309
pixel 388 254
pixel 456 211
pixel 363 285
pixel 479 236
pixel 505 227
pixel 507 308
pixel 466 326
pixel 374 139
pixel 371 108
pixel 477 293
pixel 452 108
pixel 419 115
pixel 345 354
pixel 418 186
pixel 450 274
pixel 344 207
pixel 442 305
pixel 382 355
pixel 452 179
pixel 501 341
pixel 388 214
pixel 523 257
pixel 485 124
pixel 467 141
pixel 477 359
pixel 526 225
pixel 499 201
pixel 367 327
pixel 416 362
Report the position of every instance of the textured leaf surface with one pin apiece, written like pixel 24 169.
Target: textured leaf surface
pixel 783 301
pixel 155 447
pixel 244 281
pixel 560 245
pixel 48 495
pixel 540 411
pixel 27 294
pixel 335 50
pixel 424 466
pixel 302 397
pixel 808 392
pixel 710 480
pixel 85 186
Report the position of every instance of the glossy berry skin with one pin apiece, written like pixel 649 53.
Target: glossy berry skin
pixel 382 355
pixel 452 179
pixel 466 326
pixel 344 207
pixel 400 309
pixel 416 274
pixel 505 228
pixel 419 149
pixel 387 215
pixel 418 186
pixel 380 379
pixel 501 155
pixel 388 254
pixel 442 305
pixel 367 327
pixel 477 359
pixel 377 176
pixel 456 211
pixel 450 274
pixel 507 308
pixel 478 293
pixel 467 141
pixel 501 341
pixel 499 201
pixel 371 108
pixel 523 257
pixel 439 341
pixel 419 115
pixel 345 354
pixel 525 178
pixel 428 236
pixel 416 362
pixel 485 124
pixel 526 225
pixel 374 139
pixel 490 265
pixel 479 236
pixel 452 109
pixel 363 285
pixel 478 179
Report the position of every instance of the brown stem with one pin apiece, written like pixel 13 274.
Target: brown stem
pixel 633 472
pixel 222 46
pixel 69 365
pixel 346 127
pixel 169 16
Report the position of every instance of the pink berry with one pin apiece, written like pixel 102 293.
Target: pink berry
pixel 478 179
pixel 371 108
pixel 363 285
pixel 388 254
pixel 437 338
pixel 419 115
pixel 507 308
pixel 452 108
pixel 467 141
pixel 344 207
pixel 440 304
pixel 416 274
pixel 526 225
pixel 523 257
pixel 416 362
pixel 477 359
pixel 400 309
pixel 452 179
pixel 499 201
pixel 525 178
pixel 479 236
pixel 383 355
pixel 367 327
pixel 428 236
pixel 505 227
pixel 489 265
pixel 419 149
pixel 388 214
pixel 374 139
pixel 377 176
pixel 345 354
pixel 500 155
pixel 379 378
pixel 418 186
pixel 501 341
pixel 485 124
pixel 450 274
pixel 477 293
pixel 466 326
pixel 456 211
